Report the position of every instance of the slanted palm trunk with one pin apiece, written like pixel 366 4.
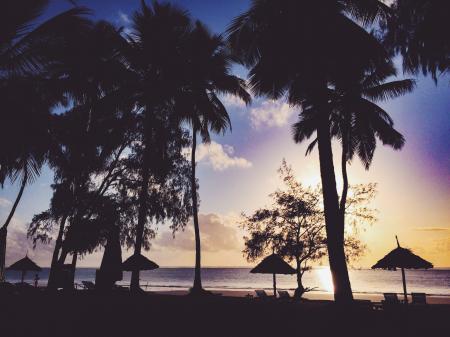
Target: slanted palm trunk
pixel 143 199
pixel 73 269
pixel 51 285
pixel 333 220
pixel 4 229
pixel 197 277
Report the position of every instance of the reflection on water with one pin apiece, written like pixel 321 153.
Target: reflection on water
pixel 326 281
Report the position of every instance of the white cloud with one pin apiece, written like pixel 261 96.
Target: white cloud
pixel 5 202
pixel 220 157
pixel 217 232
pixel 271 114
pixel 124 18
pixel 231 101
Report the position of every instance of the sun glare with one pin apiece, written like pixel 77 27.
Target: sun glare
pixel 326 282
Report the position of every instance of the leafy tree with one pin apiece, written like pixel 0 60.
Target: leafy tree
pixel 294 226
pixel 154 55
pixel 287 46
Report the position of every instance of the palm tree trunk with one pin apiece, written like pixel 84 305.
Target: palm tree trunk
pixel 197 287
pixel 72 269
pixel 63 256
pixel 19 196
pixel 4 229
pixel 143 197
pixel 345 141
pixel 333 223
pixel 54 265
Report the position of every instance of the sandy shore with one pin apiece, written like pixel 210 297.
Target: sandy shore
pixel 313 295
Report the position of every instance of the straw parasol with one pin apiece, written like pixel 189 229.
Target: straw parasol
pixel 402 258
pixel 24 265
pixel 138 262
pixel 273 264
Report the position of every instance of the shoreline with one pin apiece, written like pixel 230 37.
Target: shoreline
pixel 312 295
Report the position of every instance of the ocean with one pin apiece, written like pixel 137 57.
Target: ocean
pixel 432 282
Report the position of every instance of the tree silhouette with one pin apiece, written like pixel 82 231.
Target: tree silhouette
pixel 26 50
pixel 154 55
pixel 294 226
pixel 357 121
pixel 208 74
pixel 287 45
pixel 418 31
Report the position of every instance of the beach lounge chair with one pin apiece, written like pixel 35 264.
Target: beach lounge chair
pixel 284 295
pixel 419 298
pixel 390 299
pixel 261 294
pixel 88 285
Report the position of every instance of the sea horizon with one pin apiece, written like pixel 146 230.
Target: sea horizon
pixel 434 282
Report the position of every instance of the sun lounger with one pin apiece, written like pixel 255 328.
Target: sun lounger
pixel 419 298
pixel 390 299
pixel 284 295
pixel 364 304
pixel 261 294
pixel 88 285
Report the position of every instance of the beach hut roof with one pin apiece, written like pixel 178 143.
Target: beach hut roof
pixel 402 258
pixel 25 264
pixel 138 262
pixel 273 264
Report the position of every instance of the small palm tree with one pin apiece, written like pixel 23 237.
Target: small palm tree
pixel 357 120
pixel 208 75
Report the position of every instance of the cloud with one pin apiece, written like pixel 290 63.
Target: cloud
pixel 231 101
pixel 431 229
pixel 124 18
pixel 5 202
pixel 17 245
pixel 220 157
pixel 271 114
pixel 217 232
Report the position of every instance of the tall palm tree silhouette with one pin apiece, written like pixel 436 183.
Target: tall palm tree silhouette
pixel 154 54
pixel 295 49
pixel 356 120
pixel 26 50
pixel 208 74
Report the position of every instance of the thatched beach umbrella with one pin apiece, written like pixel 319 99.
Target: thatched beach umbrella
pixel 24 265
pixel 273 264
pixel 402 258
pixel 138 262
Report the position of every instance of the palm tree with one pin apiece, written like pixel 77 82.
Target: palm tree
pixel 418 31
pixel 26 50
pixel 208 75
pixel 295 49
pixel 357 120
pixel 154 55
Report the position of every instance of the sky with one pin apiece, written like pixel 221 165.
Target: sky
pixel 238 170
